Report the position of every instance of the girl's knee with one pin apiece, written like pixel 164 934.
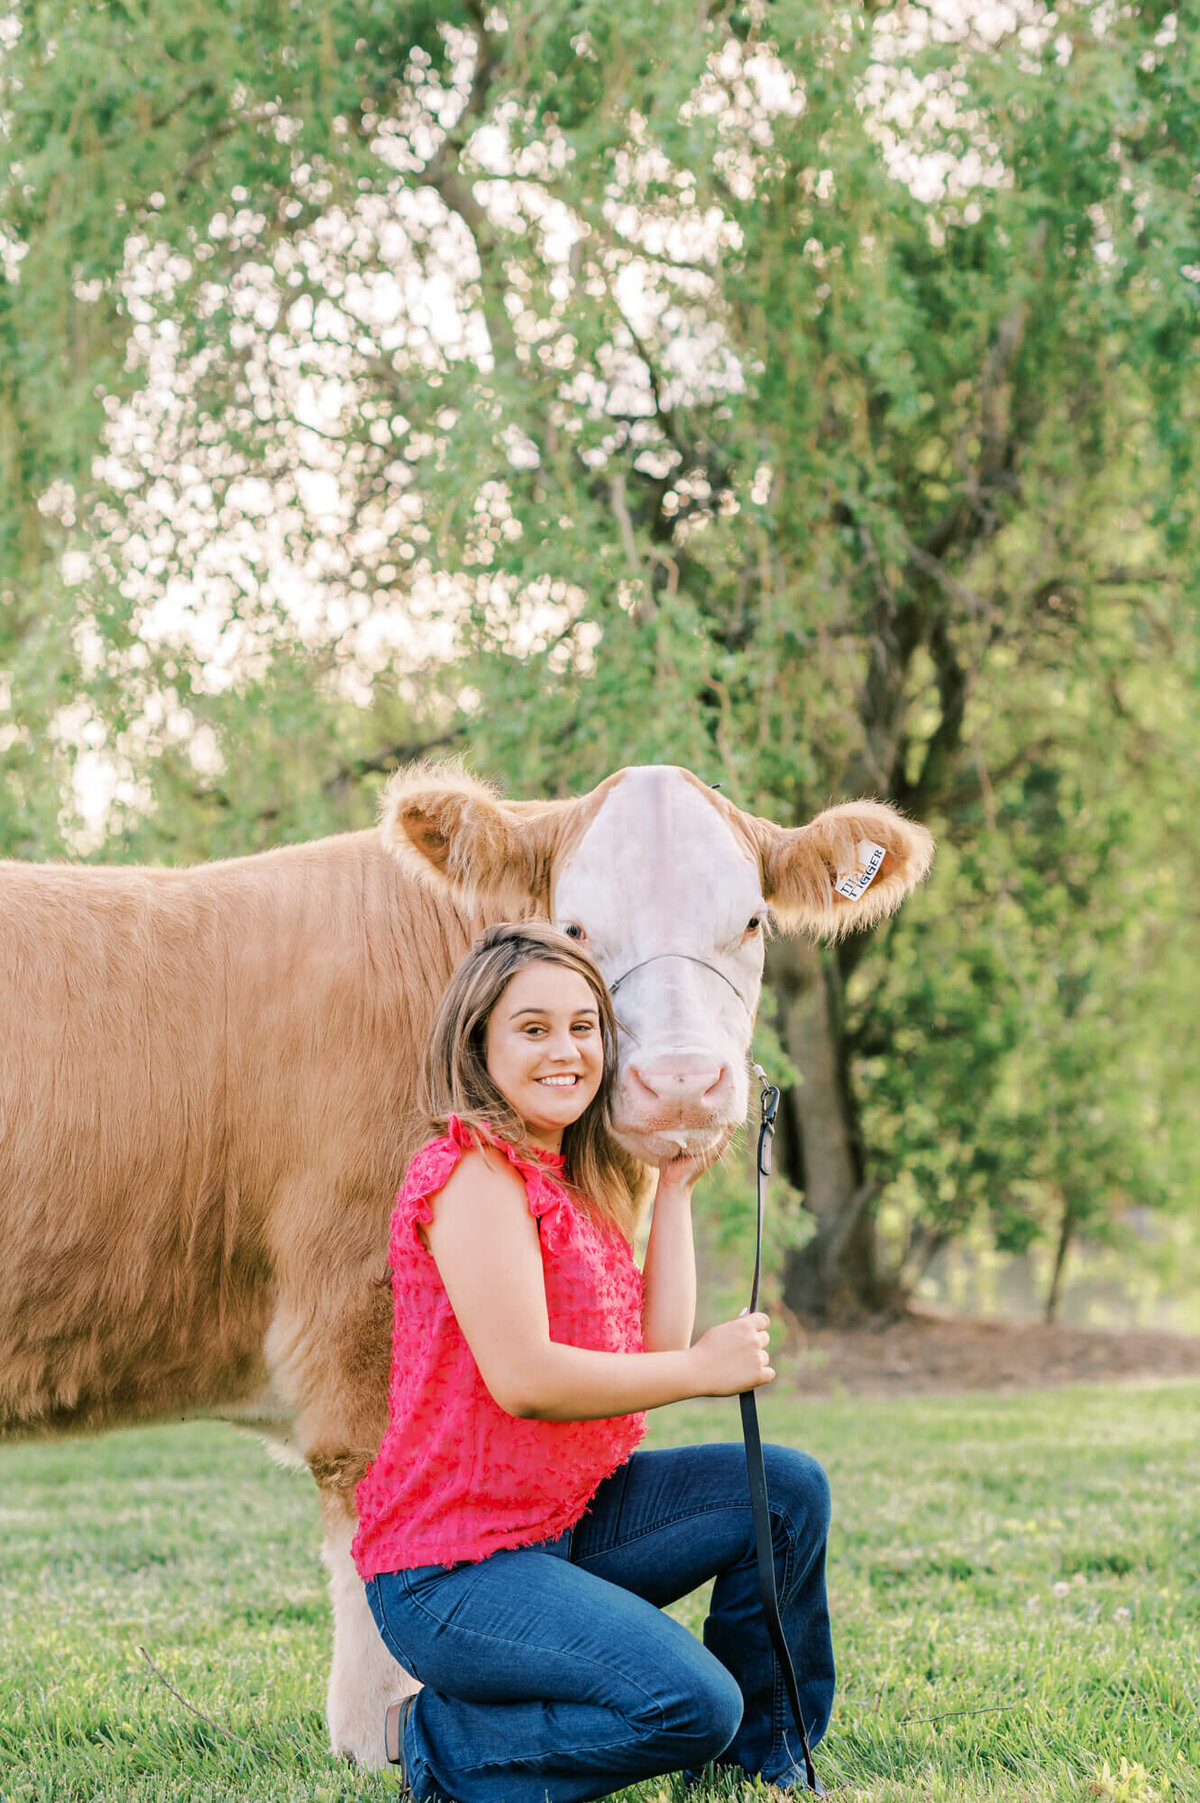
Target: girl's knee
pixel 694 1713
pixel 797 1483
pixel 706 1717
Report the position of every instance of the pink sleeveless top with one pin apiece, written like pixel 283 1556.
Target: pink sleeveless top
pixel 455 1477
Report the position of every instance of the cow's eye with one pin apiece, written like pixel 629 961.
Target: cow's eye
pixel 573 930
pixel 754 922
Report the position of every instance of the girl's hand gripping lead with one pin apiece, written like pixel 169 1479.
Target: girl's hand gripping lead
pixel 733 1356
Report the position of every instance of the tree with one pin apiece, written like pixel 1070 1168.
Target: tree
pixel 736 394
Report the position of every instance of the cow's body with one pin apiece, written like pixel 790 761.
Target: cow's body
pixel 207 1097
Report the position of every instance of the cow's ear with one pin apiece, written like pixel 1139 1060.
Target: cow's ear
pixel 449 830
pixel 844 870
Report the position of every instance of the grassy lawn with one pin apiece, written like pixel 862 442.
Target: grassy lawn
pixel 1025 1570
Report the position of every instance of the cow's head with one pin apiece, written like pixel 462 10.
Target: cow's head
pixel 669 887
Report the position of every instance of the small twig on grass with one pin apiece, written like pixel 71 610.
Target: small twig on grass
pixel 989 1709
pixel 199 1713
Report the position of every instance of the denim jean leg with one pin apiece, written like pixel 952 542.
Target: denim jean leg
pixel 543 1682
pixel 670 1520
pixel 736 1630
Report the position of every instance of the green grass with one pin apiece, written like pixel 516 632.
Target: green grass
pixel 1026 1570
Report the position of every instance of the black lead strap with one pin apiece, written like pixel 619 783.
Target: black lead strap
pixel 755 1468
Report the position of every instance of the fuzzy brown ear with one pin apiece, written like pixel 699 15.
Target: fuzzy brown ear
pixel 813 875
pixel 449 830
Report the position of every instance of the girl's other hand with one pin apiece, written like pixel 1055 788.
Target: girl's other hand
pixel 733 1357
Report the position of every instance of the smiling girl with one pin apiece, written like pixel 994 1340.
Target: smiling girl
pixel 517 1550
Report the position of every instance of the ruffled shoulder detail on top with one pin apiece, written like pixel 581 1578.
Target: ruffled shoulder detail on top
pixel 432 1167
pixel 524 1162
pixel 429 1171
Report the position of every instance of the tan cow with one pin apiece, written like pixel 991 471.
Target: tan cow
pixel 207 1084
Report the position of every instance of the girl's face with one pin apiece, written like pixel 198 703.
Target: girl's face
pixel 544 1050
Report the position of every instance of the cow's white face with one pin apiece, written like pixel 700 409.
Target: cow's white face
pixel 670 905
pixel 668 884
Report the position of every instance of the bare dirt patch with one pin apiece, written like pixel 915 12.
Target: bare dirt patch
pixel 923 1353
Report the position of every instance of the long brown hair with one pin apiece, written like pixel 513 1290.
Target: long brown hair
pixel 605 1178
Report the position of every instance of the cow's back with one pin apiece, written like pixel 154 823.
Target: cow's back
pixel 206 1090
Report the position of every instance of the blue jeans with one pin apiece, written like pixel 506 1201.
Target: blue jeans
pixel 550 1671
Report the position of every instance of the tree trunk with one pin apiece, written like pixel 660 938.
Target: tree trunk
pixel 834 1277
pixel 1066 1233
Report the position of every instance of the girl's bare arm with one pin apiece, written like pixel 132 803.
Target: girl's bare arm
pixel 485 1243
pixel 669 1271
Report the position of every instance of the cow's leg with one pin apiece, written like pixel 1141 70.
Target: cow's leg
pixel 329 1355
pixel 364 1677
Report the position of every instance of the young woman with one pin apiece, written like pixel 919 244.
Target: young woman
pixel 517 1550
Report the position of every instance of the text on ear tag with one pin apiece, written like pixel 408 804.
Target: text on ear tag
pixel 853 884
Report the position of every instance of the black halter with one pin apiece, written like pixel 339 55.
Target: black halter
pixel 692 959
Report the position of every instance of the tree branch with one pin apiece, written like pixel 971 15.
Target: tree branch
pixel 943 743
pixel 968 789
pixel 620 507
pixel 897 628
pixel 338 786
pixel 664 415
pixel 393 756
pixel 443 173
pixel 972 603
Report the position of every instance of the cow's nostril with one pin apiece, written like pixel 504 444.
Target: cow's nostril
pixel 641 1082
pixel 717 1085
pixel 680 1083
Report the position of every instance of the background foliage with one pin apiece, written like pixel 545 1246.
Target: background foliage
pixel 802 393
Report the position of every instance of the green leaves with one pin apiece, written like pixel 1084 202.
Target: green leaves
pixel 806 397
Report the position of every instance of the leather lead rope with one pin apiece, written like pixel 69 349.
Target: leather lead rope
pixel 756 1470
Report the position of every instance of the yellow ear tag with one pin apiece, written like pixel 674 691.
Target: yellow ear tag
pixel 853 884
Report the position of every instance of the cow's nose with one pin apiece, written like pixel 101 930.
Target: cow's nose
pixel 681 1080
